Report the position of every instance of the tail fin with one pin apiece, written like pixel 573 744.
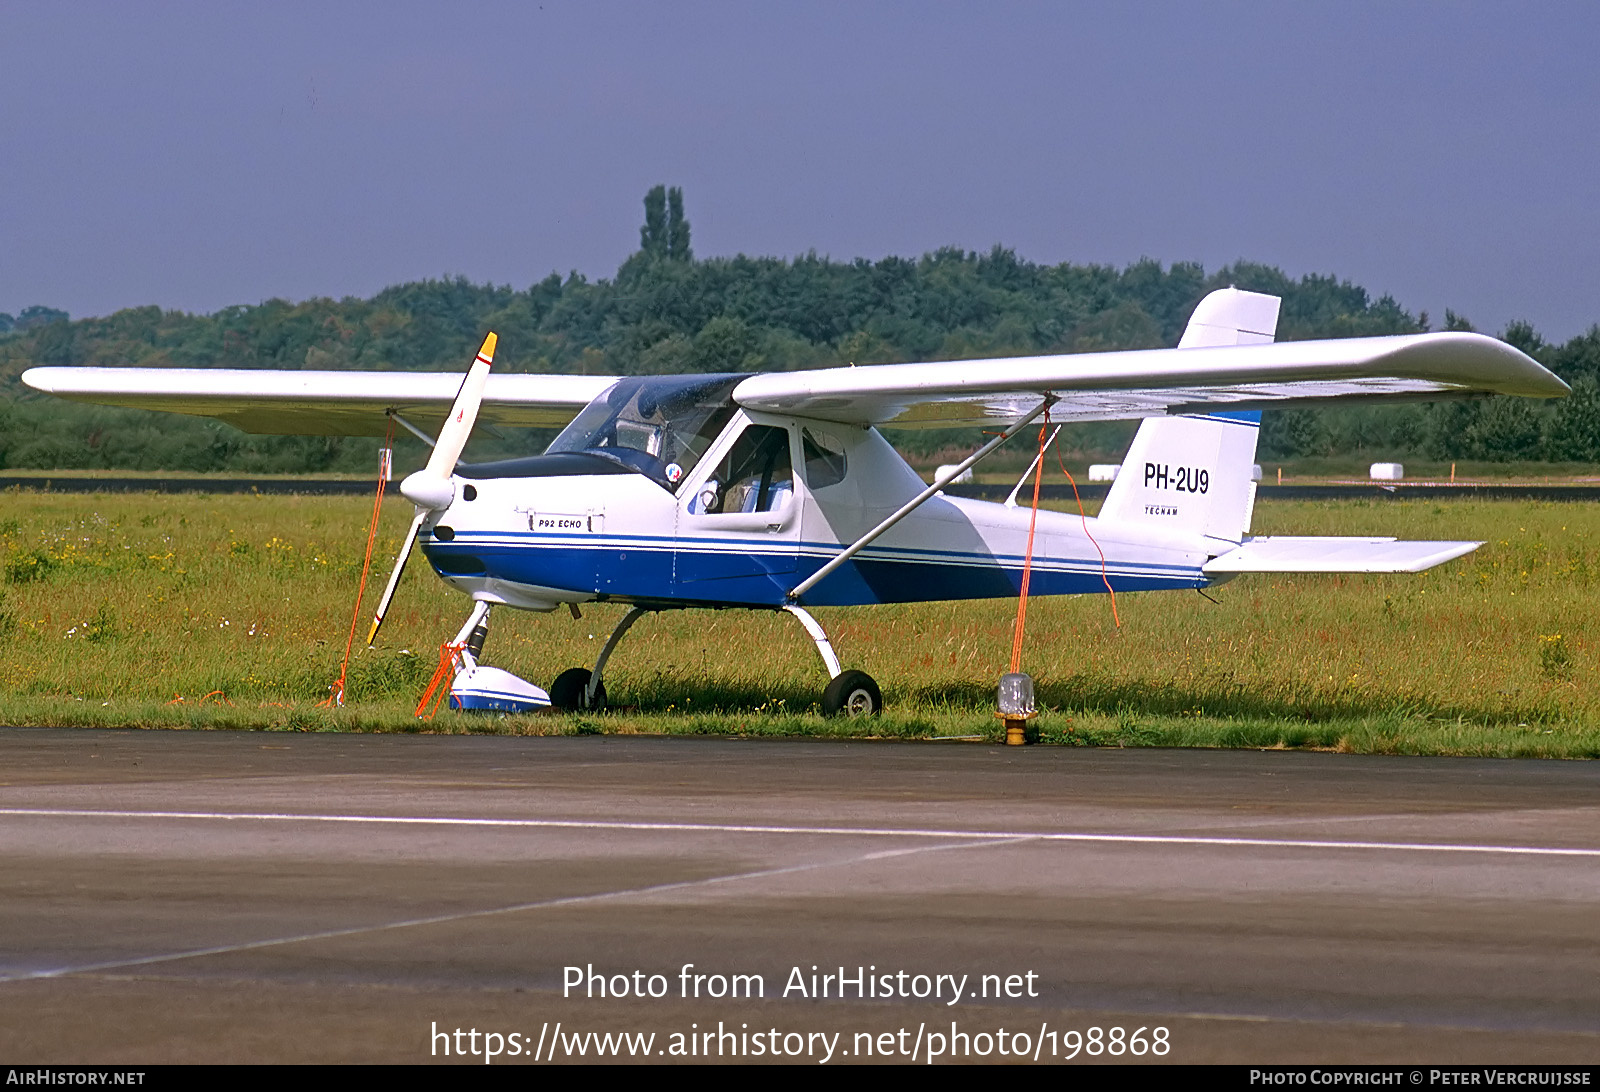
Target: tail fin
pixel 1231 317
pixel 1192 473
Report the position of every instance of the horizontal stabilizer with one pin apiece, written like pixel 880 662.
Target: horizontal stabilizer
pixel 1284 554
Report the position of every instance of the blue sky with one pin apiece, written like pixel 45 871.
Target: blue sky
pixel 200 155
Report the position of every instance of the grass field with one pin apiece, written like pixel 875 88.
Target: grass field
pixel 232 611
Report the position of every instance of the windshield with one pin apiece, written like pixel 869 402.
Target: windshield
pixel 658 426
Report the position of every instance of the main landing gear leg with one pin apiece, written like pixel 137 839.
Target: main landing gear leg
pixel 579 688
pixel 852 693
pixel 820 636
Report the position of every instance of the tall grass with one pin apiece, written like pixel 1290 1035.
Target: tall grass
pixel 234 610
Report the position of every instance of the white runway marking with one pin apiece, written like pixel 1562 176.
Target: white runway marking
pixel 463 915
pixel 858 832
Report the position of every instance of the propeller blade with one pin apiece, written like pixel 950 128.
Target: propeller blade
pixel 394 577
pixel 453 436
pixel 430 488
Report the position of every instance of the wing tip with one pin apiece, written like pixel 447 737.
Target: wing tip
pixel 38 379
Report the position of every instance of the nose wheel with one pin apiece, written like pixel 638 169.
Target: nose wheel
pixel 482 689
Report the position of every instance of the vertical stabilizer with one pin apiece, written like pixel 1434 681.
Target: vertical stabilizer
pixel 1229 316
pixel 1192 473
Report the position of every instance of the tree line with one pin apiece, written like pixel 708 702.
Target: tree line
pixel 666 311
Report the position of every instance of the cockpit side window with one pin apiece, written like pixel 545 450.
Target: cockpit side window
pixel 756 475
pixel 657 426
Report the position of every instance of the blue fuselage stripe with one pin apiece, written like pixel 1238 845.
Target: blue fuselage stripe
pixel 740 572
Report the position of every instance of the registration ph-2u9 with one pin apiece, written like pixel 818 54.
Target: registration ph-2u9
pixel 1184 479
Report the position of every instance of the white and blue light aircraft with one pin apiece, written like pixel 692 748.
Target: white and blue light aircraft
pixel 776 491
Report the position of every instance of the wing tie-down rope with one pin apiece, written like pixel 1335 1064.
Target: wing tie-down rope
pixel 1103 577
pixel 1027 557
pixel 337 695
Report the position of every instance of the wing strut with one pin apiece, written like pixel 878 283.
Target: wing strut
pixel 394 415
pixel 916 502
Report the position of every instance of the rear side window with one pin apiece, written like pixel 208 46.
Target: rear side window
pixel 825 462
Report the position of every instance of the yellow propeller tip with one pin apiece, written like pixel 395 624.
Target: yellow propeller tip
pixel 487 352
pixel 373 632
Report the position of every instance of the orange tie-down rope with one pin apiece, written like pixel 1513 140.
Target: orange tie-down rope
pixel 336 697
pixel 1103 576
pixel 442 679
pixel 1027 558
pixel 222 699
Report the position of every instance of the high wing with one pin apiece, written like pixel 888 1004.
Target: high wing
pixel 322 403
pixel 1206 373
pixel 1154 382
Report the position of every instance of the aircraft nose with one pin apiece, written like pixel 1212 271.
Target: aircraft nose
pixel 429 491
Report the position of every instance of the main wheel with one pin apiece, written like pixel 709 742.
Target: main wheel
pixel 854 694
pixel 566 693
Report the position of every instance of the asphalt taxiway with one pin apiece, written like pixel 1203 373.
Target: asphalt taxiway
pixel 188 896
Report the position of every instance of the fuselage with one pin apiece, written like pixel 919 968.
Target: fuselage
pixel 554 530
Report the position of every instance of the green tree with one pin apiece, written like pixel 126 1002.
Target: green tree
pixel 653 236
pixel 38 316
pixel 1505 428
pixel 1522 335
pixel 1125 326
pixel 726 344
pixel 1573 432
pixel 1579 357
pixel 677 228
pixel 1293 432
pixel 665 233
